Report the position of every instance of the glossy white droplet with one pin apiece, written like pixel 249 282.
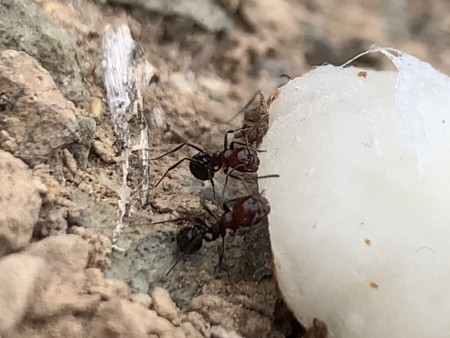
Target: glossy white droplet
pixel 360 220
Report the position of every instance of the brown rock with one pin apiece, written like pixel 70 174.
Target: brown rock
pixel 18 273
pixel 215 309
pixel 19 204
pixel 56 204
pixel 65 253
pixel 35 115
pixel 109 289
pixel 55 298
pixel 59 292
pixel 43 38
pixel 64 326
pixel 100 247
pixel 164 305
pixel 198 322
pixel 52 221
pixel 143 299
pixel 121 318
pixel 190 331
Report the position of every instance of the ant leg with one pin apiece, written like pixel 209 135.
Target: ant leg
pixel 173 167
pixel 266 115
pixel 257 178
pixel 226 179
pixel 248 130
pixel 209 230
pixel 245 130
pixel 225 184
pixel 221 257
pixel 180 256
pixel 225 138
pixel 194 241
pixel 178 148
pixel 247 105
pixel 246 186
pixel 184 253
pixel 246 145
pixel 212 184
pixel 173 220
pixel 209 211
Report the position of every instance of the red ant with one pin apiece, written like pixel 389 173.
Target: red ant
pixel 245 212
pixel 204 165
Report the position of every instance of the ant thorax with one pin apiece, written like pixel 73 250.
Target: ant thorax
pixel 250 157
pixel 227 221
pixel 251 210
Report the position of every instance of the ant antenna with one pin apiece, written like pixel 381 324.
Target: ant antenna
pixel 258 178
pixel 229 174
pixel 221 256
pixel 267 176
pixel 176 149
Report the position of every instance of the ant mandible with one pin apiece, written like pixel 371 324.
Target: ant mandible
pixel 245 211
pixel 204 165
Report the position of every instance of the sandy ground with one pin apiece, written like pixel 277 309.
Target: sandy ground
pixel 206 77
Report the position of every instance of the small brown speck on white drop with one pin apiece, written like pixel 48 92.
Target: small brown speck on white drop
pixel 374 285
pixel 367 241
pixel 362 74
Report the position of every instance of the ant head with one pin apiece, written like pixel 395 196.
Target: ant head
pixel 248 160
pixel 252 160
pixel 190 238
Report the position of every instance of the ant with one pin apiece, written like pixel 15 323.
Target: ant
pixel 256 120
pixel 245 212
pixel 204 165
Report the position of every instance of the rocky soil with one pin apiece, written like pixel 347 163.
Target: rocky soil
pixel 60 274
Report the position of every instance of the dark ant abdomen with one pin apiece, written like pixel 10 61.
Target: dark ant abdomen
pixel 203 166
pixel 190 238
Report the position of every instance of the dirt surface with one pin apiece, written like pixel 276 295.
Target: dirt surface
pixel 64 159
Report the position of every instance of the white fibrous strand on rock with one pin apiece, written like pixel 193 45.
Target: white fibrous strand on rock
pixel 127 75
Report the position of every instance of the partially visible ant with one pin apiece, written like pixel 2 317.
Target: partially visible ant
pixel 245 212
pixel 256 120
pixel 204 165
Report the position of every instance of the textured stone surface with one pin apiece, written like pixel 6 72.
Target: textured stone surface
pixel 19 203
pixel 36 117
pixel 41 37
pixel 18 274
